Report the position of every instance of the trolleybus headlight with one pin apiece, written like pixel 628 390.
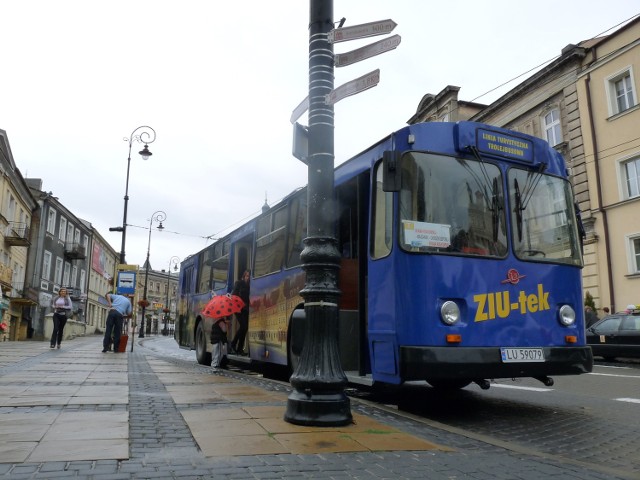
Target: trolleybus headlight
pixel 567 315
pixel 449 312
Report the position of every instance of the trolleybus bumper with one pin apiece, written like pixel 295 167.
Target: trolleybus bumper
pixel 420 363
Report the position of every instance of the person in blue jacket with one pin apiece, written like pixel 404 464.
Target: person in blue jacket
pixel 119 307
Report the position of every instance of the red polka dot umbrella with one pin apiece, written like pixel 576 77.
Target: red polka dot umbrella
pixel 223 306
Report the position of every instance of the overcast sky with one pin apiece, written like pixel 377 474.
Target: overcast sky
pixel 218 82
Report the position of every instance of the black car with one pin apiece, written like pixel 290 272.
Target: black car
pixel 616 335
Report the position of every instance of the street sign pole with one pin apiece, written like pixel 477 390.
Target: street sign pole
pixel 318 397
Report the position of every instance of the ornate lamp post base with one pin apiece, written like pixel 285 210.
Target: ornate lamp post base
pixel 331 409
pixel 318 398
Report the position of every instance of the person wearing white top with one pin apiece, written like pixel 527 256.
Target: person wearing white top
pixel 62 308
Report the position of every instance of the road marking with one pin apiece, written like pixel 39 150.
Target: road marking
pixel 515 387
pixel 614 375
pixel 630 400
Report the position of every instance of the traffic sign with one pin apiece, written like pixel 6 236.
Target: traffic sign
pixel 372 29
pixel 368 51
pixel 302 107
pixel 369 80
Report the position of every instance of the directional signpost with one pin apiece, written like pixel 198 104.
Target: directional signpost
pixel 369 80
pixel 368 51
pixel 372 29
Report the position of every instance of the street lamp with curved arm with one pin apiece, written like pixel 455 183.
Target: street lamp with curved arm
pixel 173 261
pixel 158 216
pixel 146 135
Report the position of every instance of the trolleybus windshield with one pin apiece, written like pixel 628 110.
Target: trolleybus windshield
pixel 452 205
pixel 543 218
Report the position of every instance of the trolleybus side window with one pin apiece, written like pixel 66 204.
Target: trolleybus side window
pixel 452 205
pixel 204 270
pixel 270 244
pixel 298 229
pixel 382 215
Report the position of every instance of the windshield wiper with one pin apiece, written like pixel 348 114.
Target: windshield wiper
pixel 523 198
pixel 494 205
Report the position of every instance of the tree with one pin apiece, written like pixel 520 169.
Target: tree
pixel 588 301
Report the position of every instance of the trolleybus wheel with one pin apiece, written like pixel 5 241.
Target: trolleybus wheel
pixel 202 356
pixel 448 383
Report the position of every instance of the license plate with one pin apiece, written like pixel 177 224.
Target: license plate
pixel 512 355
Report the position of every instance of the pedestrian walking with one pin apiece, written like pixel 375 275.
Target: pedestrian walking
pixel 119 307
pixel 62 310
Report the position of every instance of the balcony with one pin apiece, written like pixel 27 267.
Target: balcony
pixel 16 234
pixel 20 294
pixel 6 276
pixel 75 251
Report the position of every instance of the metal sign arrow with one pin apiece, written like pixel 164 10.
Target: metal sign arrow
pixel 302 107
pixel 368 51
pixel 380 27
pixel 365 82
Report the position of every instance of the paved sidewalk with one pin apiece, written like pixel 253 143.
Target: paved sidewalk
pixel 79 413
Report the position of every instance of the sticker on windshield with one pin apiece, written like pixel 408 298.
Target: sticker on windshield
pixel 422 234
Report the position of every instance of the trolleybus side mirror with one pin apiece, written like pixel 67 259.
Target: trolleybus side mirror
pixel 391 178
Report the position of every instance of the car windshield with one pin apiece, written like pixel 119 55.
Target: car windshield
pixel 607 325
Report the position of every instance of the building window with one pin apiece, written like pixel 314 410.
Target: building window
pixel 11 210
pixel 46 265
pixel 552 130
pixel 74 276
pixel 631 170
pixel 621 92
pixel 58 273
pixel 67 273
pixel 51 221
pixel 634 250
pixel 62 231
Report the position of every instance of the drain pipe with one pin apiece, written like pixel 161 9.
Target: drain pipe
pixel 602 211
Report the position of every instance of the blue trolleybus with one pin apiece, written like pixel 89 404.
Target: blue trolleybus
pixel 460 262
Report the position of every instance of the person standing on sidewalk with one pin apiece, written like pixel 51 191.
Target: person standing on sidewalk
pixel 62 308
pixel 119 307
pixel 241 289
pixel 218 341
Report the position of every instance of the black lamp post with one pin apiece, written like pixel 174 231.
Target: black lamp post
pixel 144 137
pixel 160 217
pixel 173 261
pixel 318 397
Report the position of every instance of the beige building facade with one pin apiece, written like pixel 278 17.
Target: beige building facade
pixel 607 90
